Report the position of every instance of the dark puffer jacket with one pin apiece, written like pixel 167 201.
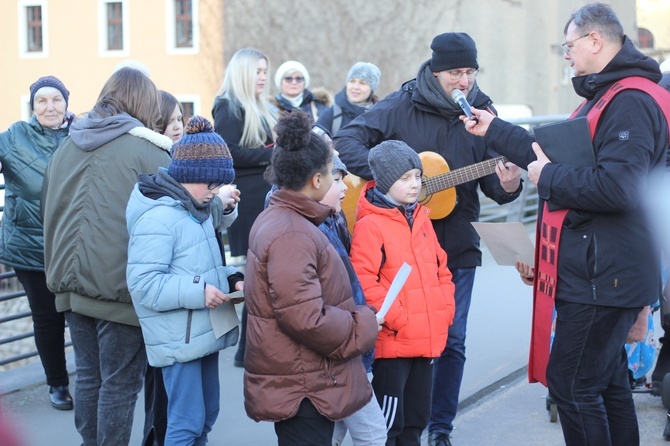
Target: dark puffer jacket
pixel 25 150
pixel 319 99
pixel 407 116
pixel 608 255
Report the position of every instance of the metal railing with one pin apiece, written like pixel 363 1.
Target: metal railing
pixel 523 209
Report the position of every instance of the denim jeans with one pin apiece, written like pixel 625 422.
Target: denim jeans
pixel 193 400
pixel 587 375
pixel 448 371
pixel 111 360
pixel 48 324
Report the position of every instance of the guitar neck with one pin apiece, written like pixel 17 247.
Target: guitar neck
pixel 463 175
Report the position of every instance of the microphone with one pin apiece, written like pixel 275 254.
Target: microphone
pixel 458 97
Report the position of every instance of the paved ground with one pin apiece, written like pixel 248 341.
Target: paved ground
pixel 500 407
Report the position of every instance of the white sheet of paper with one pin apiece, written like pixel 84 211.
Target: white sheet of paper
pixel 507 242
pixel 224 318
pixel 397 284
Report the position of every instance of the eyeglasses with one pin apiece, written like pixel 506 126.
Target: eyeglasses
pixel 456 75
pixel 567 46
pixel 214 186
pixel 294 80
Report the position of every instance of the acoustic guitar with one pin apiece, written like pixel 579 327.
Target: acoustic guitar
pixel 438 190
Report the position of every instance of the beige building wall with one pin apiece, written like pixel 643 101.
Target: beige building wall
pixel 74 56
pixel 518 41
pixel 654 15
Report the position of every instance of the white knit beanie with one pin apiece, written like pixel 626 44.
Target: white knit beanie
pixel 290 67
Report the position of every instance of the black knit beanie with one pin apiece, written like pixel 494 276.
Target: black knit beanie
pixel 389 161
pixel 453 50
pixel 201 155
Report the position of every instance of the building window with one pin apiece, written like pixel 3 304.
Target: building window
pixel 188 108
pixel 645 37
pixel 184 24
pixel 190 105
pixel 182 27
pixel 33 31
pixel 113 38
pixel 114 26
pixel 34 28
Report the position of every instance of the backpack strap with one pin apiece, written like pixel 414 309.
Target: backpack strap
pixel 337 119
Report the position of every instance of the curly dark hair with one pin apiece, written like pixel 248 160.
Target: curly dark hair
pixel 298 153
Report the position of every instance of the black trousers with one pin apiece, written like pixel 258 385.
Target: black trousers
pixel 403 387
pixel 307 428
pixel 587 375
pixel 155 408
pixel 48 325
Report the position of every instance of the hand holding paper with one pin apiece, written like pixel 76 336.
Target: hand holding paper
pixel 397 284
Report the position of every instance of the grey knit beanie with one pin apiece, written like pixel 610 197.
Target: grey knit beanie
pixel 453 50
pixel 366 71
pixel 389 161
pixel 338 166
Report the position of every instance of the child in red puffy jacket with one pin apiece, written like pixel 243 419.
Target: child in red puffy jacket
pixel 392 229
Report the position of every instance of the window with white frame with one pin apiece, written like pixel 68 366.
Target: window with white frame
pixel 113 28
pixel 182 26
pixel 190 104
pixel 33 33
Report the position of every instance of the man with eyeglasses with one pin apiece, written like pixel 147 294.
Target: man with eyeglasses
pixel 424 115
pixel 608 261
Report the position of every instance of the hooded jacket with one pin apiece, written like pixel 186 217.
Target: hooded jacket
pixel 305 335
pixel 607 253
pixel 25 150
pixel 407 116
pixel 417 323
pixel 320 97
pixel 86 190
pixel 171 257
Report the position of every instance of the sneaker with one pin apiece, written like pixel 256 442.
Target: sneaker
pixel 666 431
pixel 439 439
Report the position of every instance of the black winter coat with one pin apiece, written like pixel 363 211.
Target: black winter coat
pixel 250 164
pixel 607 254
pixel 405 115
pixel 320 100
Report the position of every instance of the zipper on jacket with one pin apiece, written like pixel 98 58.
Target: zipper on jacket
pixel 188 326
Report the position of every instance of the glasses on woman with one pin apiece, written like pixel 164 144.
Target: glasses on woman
pixel 294 79
pixel 456 75
pixel 213 186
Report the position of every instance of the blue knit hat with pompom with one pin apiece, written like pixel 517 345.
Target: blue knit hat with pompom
pixel 201 155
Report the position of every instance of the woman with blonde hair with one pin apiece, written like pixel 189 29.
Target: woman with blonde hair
pixel 245 120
